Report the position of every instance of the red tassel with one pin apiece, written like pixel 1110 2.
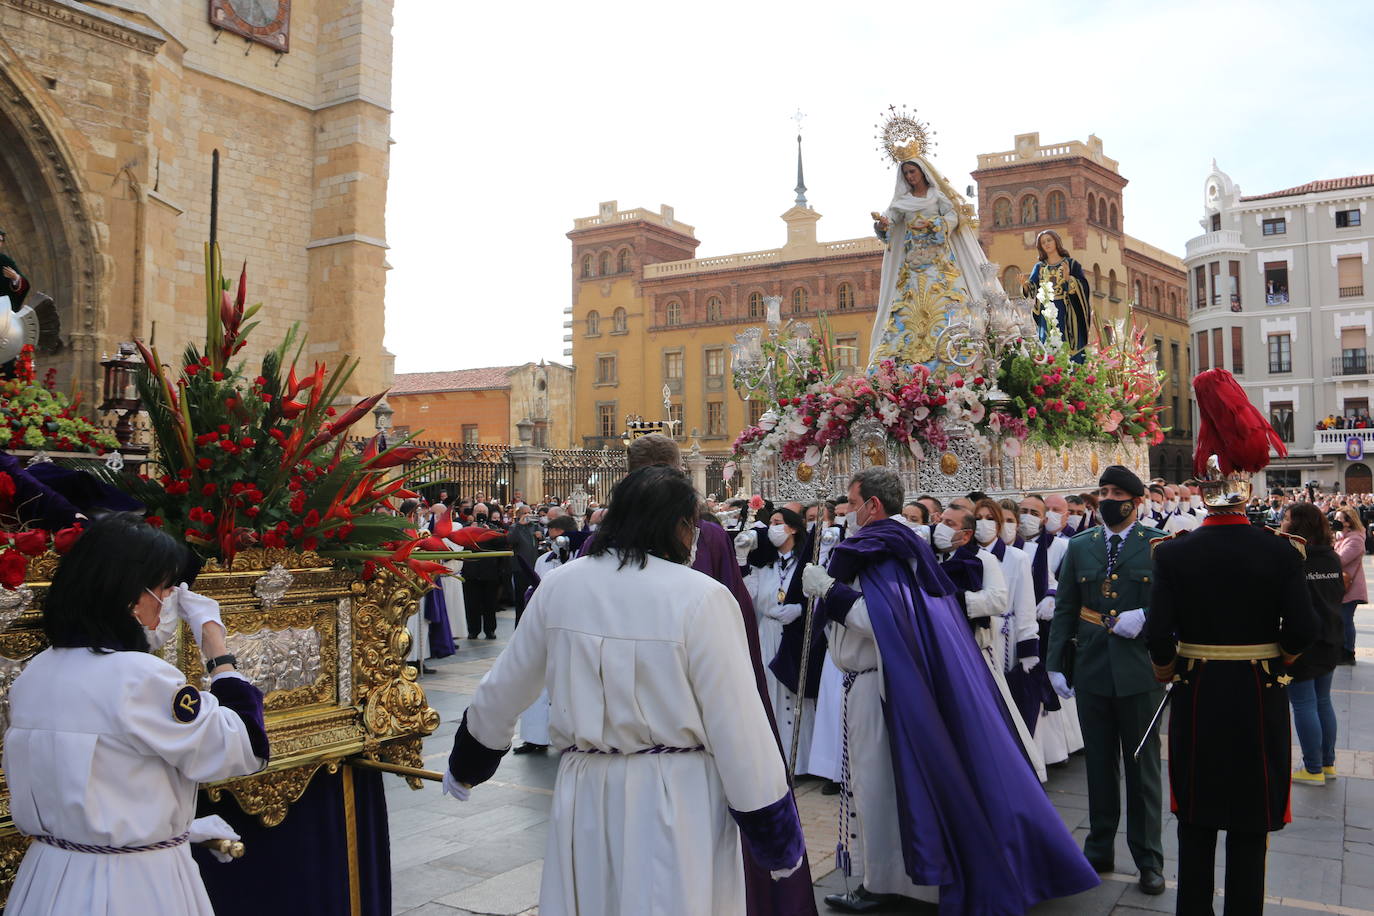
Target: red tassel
pixel 1230 427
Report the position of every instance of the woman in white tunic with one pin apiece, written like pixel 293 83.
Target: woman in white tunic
pixel 534 722
pixel 654 708
pixel 107 742
pixel 768 585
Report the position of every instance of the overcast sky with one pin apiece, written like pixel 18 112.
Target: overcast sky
pixel 512 120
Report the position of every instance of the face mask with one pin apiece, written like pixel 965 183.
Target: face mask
pixel 1171 505
pixel 943 537
pixel 1114 511
pixel 1054 521
pixel 985 530
pixel 1030 525
pixel 1072 522
pixel 692 554
pixel 166 621
pixel 1159 507
pixel 777 535
pixel 1009 532
pixel 1195 502
pixel 841 520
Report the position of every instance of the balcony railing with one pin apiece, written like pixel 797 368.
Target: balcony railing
pixel 1349 292
pixel 1332 441
pixel 1351 365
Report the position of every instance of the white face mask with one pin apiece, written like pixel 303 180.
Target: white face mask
pixel 777 535
pixel 840 520
pixel 1054 521
pixel 1195 502
pixel 167 620
pixel 1030 525
pixel 1072 522
pixel 944 537
pixel 922 531
pixel 1009 532
pixel 1171 505
pixel 985 530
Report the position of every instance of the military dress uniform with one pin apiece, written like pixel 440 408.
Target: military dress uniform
pixel 1229 606
pixel 1115 688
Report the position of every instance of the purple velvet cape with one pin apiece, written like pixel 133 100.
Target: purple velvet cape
pixel 973 817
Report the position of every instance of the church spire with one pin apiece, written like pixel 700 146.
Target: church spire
pixel 801 183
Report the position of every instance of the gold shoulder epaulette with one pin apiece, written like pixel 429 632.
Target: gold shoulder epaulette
pixel 1155 542
pixel 1299 543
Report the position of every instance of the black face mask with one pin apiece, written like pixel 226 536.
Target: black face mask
pixel 1115 511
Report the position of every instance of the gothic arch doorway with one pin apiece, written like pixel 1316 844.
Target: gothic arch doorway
pixel 51 232
pixel 1359 478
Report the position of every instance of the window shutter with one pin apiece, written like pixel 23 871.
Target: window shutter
pixel 1349 272
pixel 1353 338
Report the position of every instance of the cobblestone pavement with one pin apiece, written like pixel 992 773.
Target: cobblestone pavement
pixel 485 856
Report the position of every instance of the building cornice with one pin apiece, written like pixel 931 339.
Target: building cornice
pixel 1046 165
pixel 94 21
pixel 344 239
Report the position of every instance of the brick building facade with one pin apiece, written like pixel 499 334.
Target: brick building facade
pixel 486 406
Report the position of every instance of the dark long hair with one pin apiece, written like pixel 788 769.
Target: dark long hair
pixel 1307 522
pixel 1058 244
pixel 90 603
pixel 647 509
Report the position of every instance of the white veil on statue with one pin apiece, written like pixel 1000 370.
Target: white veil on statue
pixel 910 335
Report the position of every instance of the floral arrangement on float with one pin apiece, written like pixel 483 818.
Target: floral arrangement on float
pixel 263 459
pixel 1023 391
pixel 35 415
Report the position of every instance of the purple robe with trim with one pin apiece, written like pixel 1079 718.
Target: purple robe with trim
pixel 973 817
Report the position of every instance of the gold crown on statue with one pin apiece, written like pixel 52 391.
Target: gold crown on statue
pixel 903 136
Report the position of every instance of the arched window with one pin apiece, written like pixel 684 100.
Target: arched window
pixel 1097 279
pixel 1139 294
pixel 1102 210
pixel 672 314
pixel 756 305
pixel 799 299
pixel 1111 217
pixel 593 323
pixel 623 261
pixel 1055 206
pixel 1173 303
pixel 1030 210
pixel 1011 281
pixel 1092 207
pixel 605 263
pixel 586 265
pixel 619 321
pixel 844 297
pixel 1001 213
pixel 713 309
pixel 1156 300
pixel 1111 283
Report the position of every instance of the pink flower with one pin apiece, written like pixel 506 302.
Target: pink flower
pixel 1038 391
pixel 1031 413
pixel 1112 422
pixel 1012 448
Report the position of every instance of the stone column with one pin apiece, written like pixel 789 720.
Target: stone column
pixel 529 471
pixel 696 465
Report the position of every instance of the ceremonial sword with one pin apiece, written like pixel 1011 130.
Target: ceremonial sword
pixel 1168 692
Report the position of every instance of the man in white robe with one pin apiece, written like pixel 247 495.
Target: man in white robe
pixel 1058 735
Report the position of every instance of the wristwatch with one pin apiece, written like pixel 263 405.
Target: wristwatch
pixel 226 659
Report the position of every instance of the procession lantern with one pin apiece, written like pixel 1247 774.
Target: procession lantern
pixel 121 393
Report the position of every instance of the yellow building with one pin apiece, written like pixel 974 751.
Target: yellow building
pixel 647 315
pixel 1074 189
pixel 110 111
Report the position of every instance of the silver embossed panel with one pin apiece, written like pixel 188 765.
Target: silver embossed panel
pixel 278 659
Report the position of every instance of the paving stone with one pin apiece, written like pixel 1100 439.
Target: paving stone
pixel 1303 878
pixel 506 894
pixel 419 884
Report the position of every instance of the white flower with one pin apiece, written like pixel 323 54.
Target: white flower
pixel 920 413
pixel 1012 448
pixel 812 456
pixel 768 420
pixel 977 412
pixel 889 411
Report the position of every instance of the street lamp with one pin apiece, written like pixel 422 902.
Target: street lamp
pixel 382 413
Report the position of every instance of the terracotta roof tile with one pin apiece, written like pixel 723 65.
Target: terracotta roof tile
pixel 491 377
pixel 1312 187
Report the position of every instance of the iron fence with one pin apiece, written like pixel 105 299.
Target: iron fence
pixel 716 485
pixel 465 470
pixel 596 471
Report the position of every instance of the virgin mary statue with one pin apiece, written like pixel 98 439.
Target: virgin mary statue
pixel 931 264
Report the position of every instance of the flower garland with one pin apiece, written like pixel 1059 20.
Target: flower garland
pixel 36 415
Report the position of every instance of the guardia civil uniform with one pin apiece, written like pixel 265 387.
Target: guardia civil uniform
pixel 1114 686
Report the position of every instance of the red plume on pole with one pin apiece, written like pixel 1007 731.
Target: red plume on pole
pixel 1230 427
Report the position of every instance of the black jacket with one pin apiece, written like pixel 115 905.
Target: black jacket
pixel 1324 584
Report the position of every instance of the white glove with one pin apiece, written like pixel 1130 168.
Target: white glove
pixel 213 827
pixel 455 788
pixel 786 613
pixel 1061 684
pixel 197 610
pixel 1029 662
pixel 1045 609
pixel 744 543
pixel 1129 624
pixel 816 581
pixel 780 873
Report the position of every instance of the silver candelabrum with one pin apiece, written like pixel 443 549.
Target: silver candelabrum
pixel 753 368
pixel 985 327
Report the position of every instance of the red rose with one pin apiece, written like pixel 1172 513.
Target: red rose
pixel 185 473
pixel 13 568
pixel 310 543
pixel 247 442
pixel 31 542
pixel 154 520
pixel 6 486
pixel 204 463
pixel 369 570
pixel 312 519
pixel 260 381
pixel 192 369
pixel 209 489
pixel 65 539
pixel 266 398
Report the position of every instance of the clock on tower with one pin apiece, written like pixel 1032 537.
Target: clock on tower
pixel 264 21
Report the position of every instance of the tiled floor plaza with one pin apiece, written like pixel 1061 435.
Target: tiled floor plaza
pixel 485 856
